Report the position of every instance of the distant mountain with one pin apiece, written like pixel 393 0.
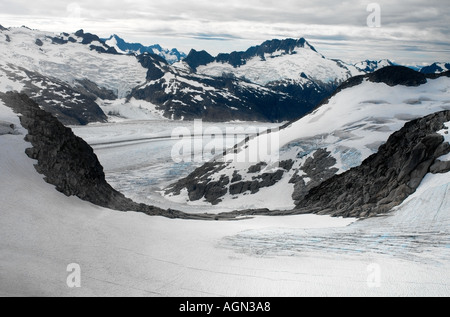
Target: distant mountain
pixel 272 48
pixel 436 68
pixel 68 75
pixel 292 68
pixel 81 78
pixel 273 61
pixel 276 81
pixel 184 95
pixel 368 66
pixel 171 56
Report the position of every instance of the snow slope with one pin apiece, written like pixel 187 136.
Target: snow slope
pixel 130 254
pixel 351 126
pixel 69 62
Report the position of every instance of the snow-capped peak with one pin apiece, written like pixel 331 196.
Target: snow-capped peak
pixel 170 55
pixel 369 66
pixel 277 61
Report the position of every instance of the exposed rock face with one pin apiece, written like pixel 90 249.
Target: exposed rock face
pixel 196 59
pixel 317 169
pixel 435 68
pixel 70 164
pixel 387 178
pixel 200 185
pixel 67 161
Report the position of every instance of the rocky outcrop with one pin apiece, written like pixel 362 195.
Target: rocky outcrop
pixel 70 164
pixel 199 184
pixel 387 178
pixel 316 170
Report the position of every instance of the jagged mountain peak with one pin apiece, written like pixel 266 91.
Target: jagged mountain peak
pixel 273 47
pixel 197 58
pixel 170 55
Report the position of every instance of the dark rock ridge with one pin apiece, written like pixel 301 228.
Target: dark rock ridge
pixel 70 164
pixel 198 58
pixel 435 68
pixel 3 28
pixel 397 75
pixel 236 59
pixel 387 178
pixel 217 99
pixel 318 169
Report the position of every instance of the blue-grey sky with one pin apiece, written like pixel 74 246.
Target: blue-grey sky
pixel 411 32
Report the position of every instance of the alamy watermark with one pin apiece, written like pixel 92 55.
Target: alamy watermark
pixel 202 144
pixel 374 18
pixel 374 275
pixel 74 278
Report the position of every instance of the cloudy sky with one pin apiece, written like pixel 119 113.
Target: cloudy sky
pixel 411 32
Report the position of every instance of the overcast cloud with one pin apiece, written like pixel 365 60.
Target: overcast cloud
pixel 411 31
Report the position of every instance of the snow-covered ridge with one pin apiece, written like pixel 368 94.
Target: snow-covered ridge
pixel 302 62
pixel 41 52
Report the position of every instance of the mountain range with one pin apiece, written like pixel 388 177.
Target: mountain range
pixel 81 78
pixel 171 56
